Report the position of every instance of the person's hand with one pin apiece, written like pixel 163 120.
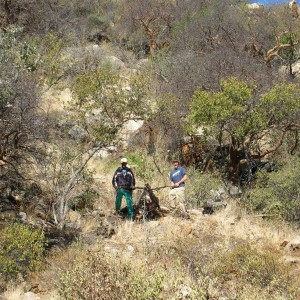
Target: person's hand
pixel 176 184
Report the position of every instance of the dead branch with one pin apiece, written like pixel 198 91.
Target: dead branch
pixel 63 199
pixel 270 54
pixel 149 33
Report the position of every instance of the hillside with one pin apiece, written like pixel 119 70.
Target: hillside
pixel 207 257
pixel 210 85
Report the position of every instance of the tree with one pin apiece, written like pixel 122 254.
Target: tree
pixel 21 127
pixel 147 21
pixel 31 15
pixel 274 37
pixel 240 119
pixel 104 102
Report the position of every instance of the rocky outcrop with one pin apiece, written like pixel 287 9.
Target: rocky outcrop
pixel 293 246
pixel 292 250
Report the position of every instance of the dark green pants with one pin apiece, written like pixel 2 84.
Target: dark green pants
pixel 128 196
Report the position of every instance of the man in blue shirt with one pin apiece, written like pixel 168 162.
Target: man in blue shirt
pixel 176 195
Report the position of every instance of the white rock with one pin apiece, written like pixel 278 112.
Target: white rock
pixel 133 125
pixel 294 245
pixel 30 296
pixel 254 5
pixel 115 62
pixel 184 292
pixel 130 249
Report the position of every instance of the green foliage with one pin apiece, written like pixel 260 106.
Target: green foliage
pixel 102 91
pixel 280 104
pixel 17 57
pixel 20 52
pixel 234 110
pixel 277 193
pixel 228 110
pixel 166 110
pixel 55 64
pixel 239 118
pixel 200 186
pixel 22 250
pixel 144 165
pixel 144 286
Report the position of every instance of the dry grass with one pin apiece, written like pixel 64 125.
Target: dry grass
pixel 235 222
pixel 55 100
pixel 198 255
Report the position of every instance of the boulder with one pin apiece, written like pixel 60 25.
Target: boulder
pixel 234 191
pixel 129 129
pixel 30 296
pixel 105 152
pixel 291 260
pixel 74 216
pixel 293 246
pixel 130 250
pixel 255 6
pixel 218 194
pixel 23 216
pixel 184 292
pixel 186 230
pixel 210 206
pixel 78 133
pixel 115 62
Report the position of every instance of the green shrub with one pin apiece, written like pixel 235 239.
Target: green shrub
pixel 22 249
pixel 278 193
pixel 199 187
pixel 145 166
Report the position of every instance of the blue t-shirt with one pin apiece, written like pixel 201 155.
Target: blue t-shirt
pixel 177 174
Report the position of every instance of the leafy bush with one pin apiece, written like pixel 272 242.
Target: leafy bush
pixel 277 193
pixel 22 249
pixel 146 167
pixel 200 186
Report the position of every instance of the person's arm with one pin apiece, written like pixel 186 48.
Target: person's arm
pixel 114 179
pixel 133 180
pixel 183 179
pixel 171 181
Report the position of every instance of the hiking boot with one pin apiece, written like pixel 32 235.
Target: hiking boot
pixel 118 214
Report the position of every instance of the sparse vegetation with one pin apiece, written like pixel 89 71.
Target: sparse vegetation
pixel 213 83
pixel 98 276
